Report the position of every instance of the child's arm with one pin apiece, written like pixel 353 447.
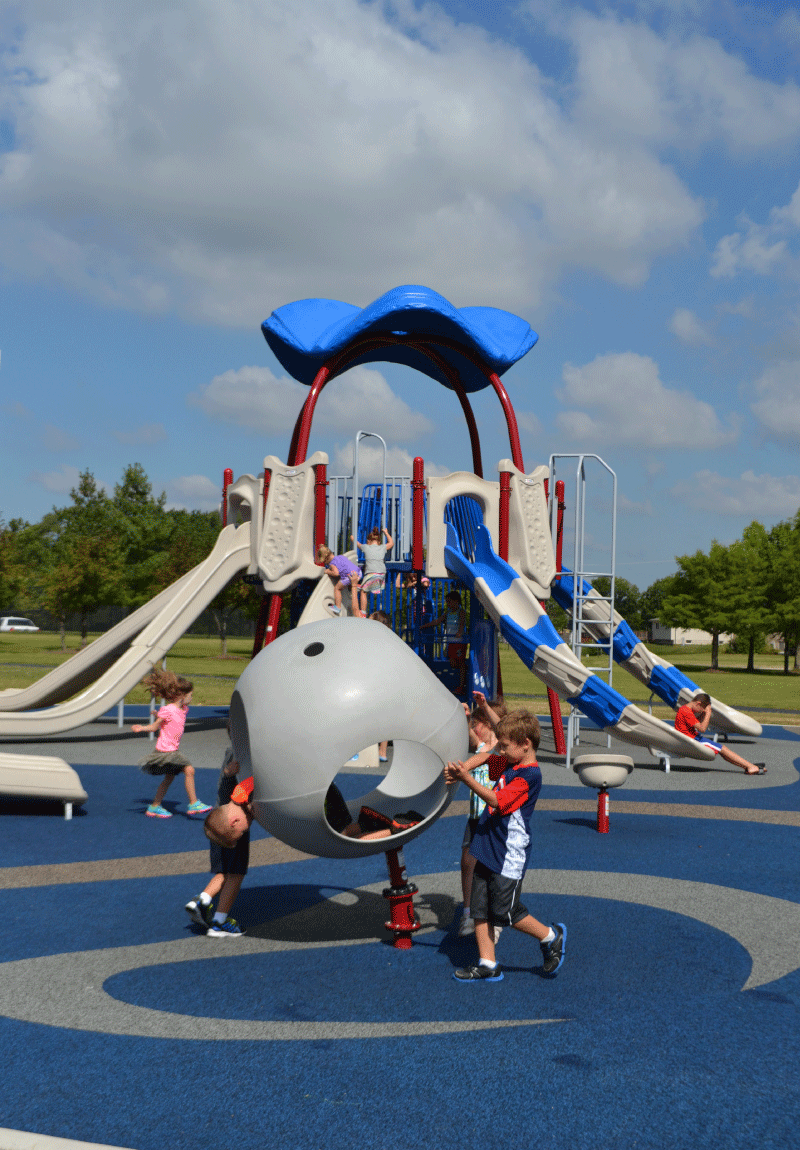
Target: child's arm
pixel 389 540
pixel 332 571
pixel 156 725
pixel 231 767
pixel 702 724
pixel 460 772
pixel 434 622
pixel 361 545
pixel 484 702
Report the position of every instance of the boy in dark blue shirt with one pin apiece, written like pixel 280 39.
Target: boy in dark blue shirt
pixel 501 846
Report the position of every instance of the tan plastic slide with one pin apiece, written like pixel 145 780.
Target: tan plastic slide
pixel 177 611
pixel 91 661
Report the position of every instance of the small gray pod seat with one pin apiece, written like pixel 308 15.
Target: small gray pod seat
pixel 320 694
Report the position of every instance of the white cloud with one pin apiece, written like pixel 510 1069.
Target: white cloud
pixel 57 481
pixel 627 506
pixel 687 327
pixel 764 497
pixel 635 83
pixel 144 435
pixel 628 404
pixel 160 164
pixel 193 493
pixel 530 423
pixel 361 399
pixel 759 248
pixel 56 439
pixel 399 462
pixel 778 405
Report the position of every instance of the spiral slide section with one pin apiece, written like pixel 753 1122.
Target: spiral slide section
pixel 177 612
pixel 656 673
pixel 524 624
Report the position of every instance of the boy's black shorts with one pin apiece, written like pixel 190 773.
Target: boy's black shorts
pixel 495 897
pixel 231 860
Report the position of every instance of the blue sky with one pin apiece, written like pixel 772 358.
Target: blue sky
pixel 623 176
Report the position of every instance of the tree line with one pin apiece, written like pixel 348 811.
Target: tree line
pixel 110 550
pixel 122 549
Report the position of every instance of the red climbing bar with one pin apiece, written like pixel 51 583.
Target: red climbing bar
pixel 227 480
pixel 505 503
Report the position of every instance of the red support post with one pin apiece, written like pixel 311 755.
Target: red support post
pixel 227 480
pixel 560 509
pixel 320 500
pixel 404 921
pixel 505 503
pixel 418 514
pixel 602 811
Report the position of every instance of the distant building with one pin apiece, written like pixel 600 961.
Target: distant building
pixel 683 636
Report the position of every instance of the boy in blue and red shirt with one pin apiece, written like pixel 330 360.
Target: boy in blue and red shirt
pixel 501 847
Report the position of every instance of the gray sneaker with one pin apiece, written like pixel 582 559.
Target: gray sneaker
pixel 479 974
pixel 553 952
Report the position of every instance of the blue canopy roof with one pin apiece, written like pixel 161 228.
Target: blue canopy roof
pixel 304 335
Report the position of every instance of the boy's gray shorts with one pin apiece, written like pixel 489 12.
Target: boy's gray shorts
pixel 164 763
pixel 495 898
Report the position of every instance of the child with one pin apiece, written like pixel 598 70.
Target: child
pixel 482 740
pixel 374 579
pixel 693 720
pixel 228 868
pixel 228 822
pixel 166 760
pixel 344 573
pixel 501 845
pixel 455 634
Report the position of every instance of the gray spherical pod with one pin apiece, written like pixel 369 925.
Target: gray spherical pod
pixel 317 696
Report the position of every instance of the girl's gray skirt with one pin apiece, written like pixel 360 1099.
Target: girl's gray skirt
pixel 163 763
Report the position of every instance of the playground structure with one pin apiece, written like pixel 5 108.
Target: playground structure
pixel 494 536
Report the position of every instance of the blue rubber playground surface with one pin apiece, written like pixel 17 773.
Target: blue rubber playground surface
pixel 674 1021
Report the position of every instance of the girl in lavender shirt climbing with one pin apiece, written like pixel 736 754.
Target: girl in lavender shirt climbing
pixel 344 573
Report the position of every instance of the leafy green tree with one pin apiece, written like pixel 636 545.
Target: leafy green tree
pixel 143 528
pixel 12 566
pixel 83 564
pixel 784 586
pixel 627 599
pixel 703 595
pixel 750 568
pixel 652 600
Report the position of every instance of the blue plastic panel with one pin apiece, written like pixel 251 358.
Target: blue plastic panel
pixel 305 334
pixel 667 683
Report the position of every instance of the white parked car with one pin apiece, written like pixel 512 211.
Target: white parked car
pixel 13 623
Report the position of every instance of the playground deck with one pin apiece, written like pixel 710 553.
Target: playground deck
pixel 673 1022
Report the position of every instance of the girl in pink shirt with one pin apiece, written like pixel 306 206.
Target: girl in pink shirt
pixel 166 759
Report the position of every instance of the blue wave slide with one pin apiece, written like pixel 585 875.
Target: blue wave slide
pixel 523 623
pixel 656 673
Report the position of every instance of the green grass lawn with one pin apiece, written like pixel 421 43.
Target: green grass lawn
pixel 24 658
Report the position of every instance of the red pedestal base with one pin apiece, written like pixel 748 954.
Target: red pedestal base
pixel 400 894
pixel 602 811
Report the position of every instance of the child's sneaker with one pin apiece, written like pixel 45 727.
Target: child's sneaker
pixel 553 952
pixel 198 808
pixel 157 812
pixel 334 610
pixel 199 911
pixel 227 929
pixel 479 974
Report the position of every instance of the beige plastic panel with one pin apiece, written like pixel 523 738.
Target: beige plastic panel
pixel 286 546
pixel 440 492
pixel 530 546
pixel 40 777
pixel 246 502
